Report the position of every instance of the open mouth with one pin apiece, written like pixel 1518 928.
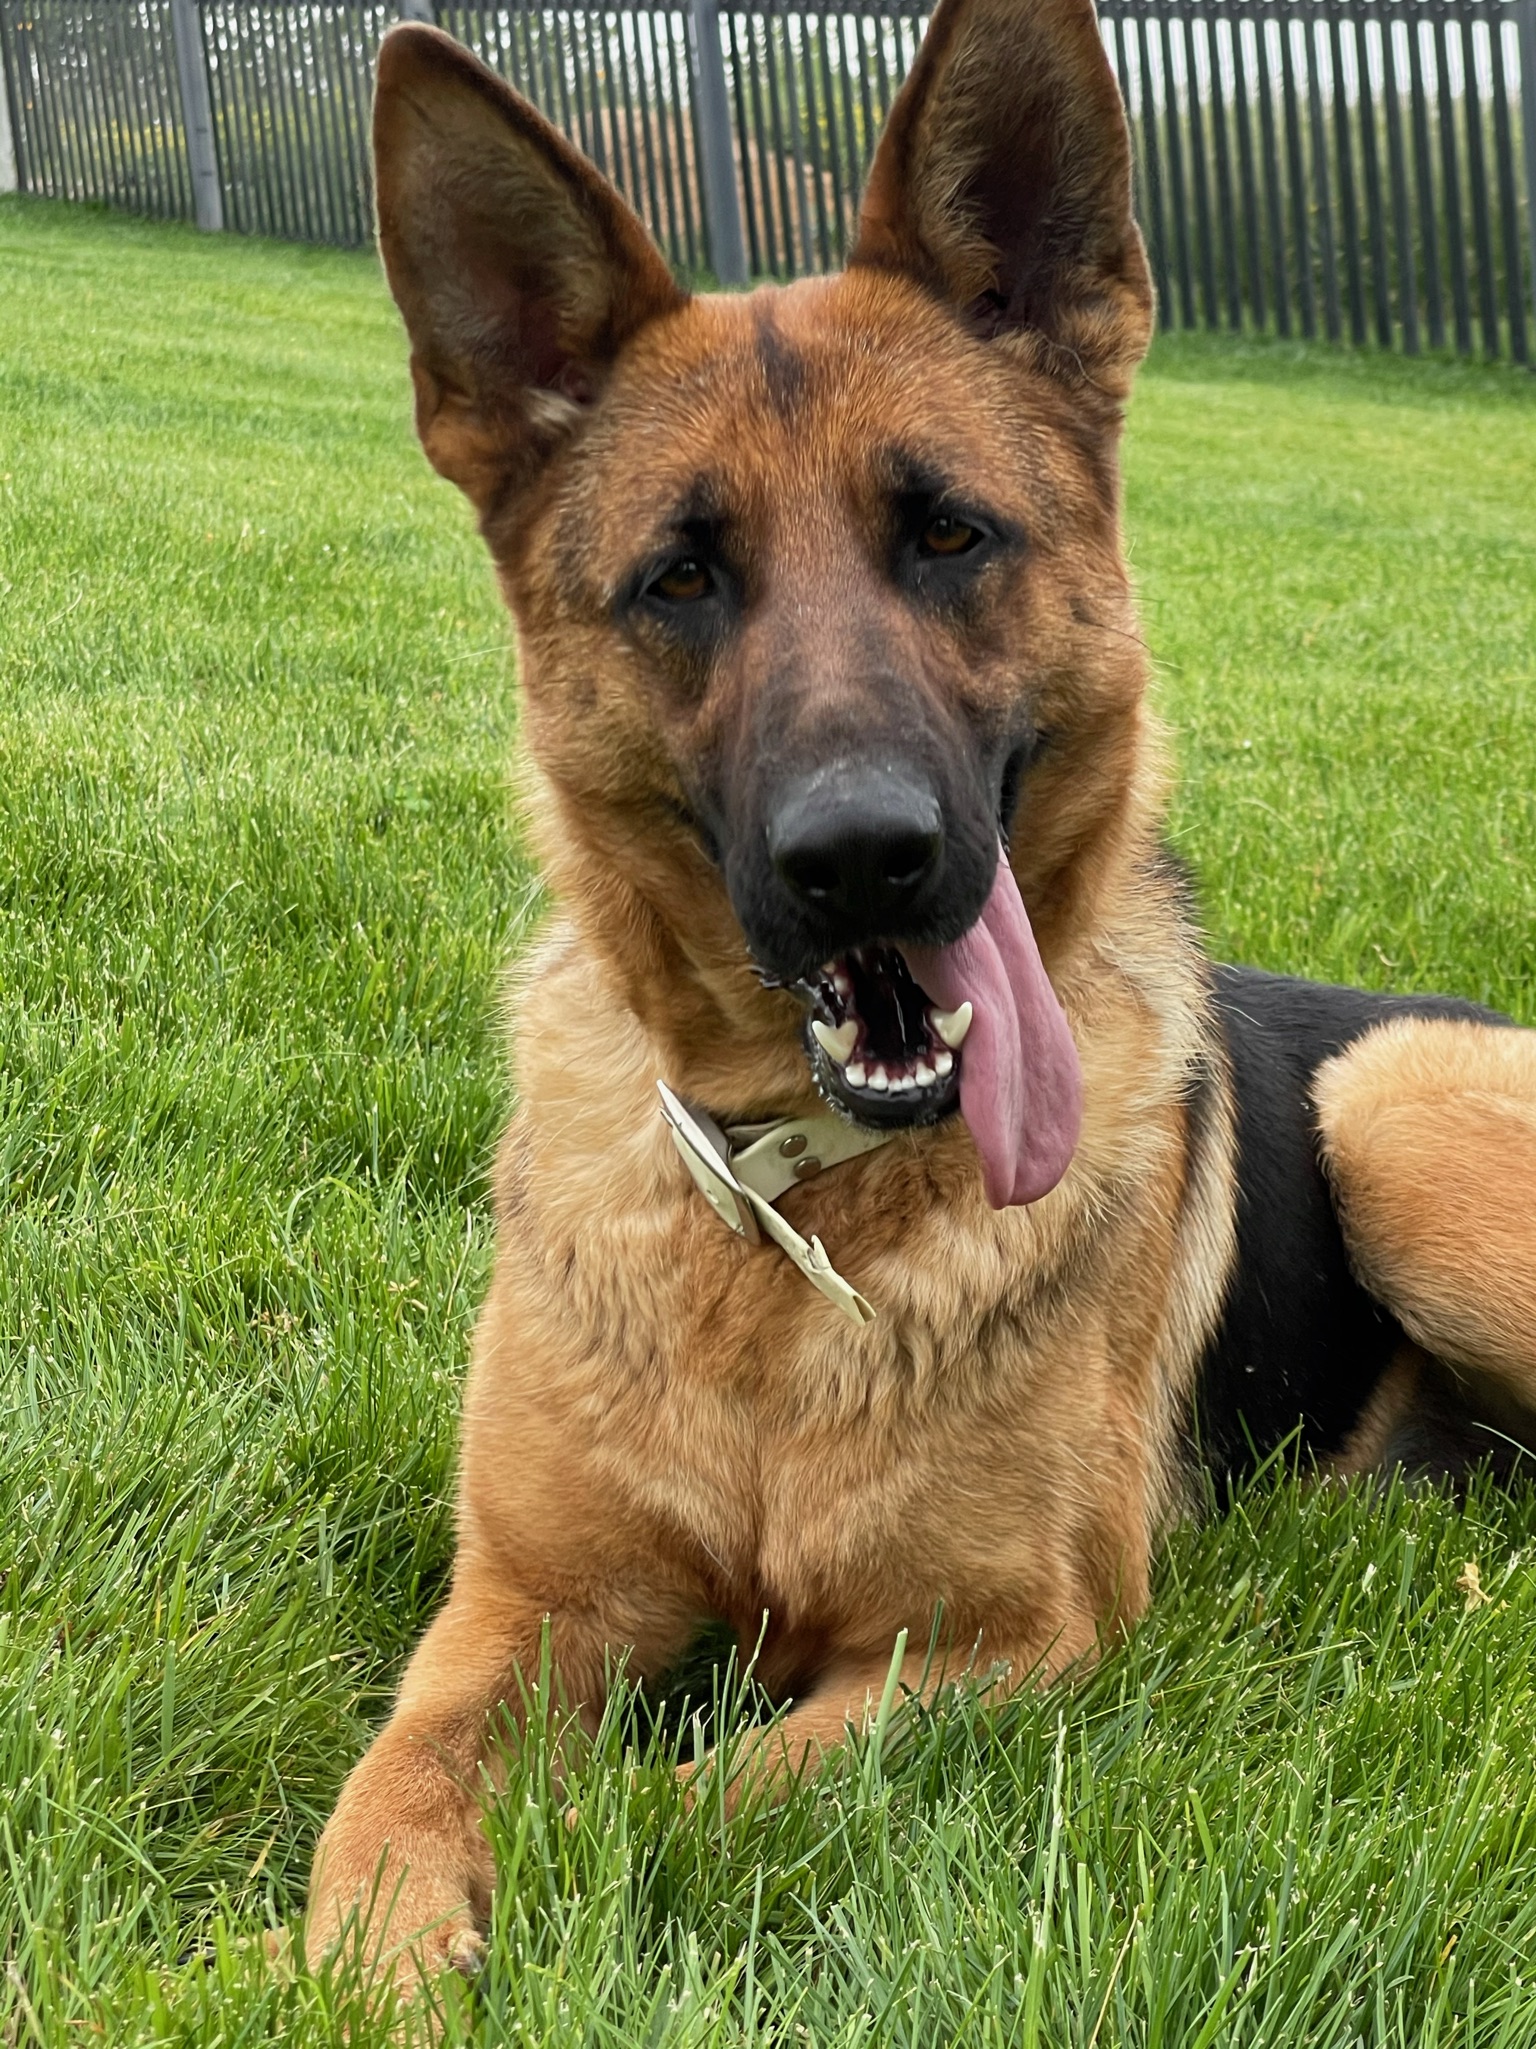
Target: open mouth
pixel 879 1048
pixel 904 1035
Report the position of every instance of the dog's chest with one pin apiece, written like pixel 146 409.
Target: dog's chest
pixel 824 1474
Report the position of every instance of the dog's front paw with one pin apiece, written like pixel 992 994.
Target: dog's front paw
pixel 402 1918
pixel 760 1770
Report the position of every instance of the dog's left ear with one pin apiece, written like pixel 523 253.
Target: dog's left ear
pixel 520 271
pixel 1003 182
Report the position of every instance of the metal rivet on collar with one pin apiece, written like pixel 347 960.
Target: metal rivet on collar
pixel 793 1146
pixel 804 1169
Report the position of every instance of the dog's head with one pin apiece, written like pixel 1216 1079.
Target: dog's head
pixel 819 589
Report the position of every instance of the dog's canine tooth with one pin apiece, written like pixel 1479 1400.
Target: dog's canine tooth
pixel 952 1025
pixel 943 1063
pixel 856 1073
pixel 836 1042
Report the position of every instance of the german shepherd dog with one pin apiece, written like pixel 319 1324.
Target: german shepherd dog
pixel 850 801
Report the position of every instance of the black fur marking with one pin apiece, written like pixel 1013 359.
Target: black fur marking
pixel 782 367
pixel 1300 1342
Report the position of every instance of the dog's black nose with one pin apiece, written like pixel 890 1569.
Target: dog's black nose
pixel 856 844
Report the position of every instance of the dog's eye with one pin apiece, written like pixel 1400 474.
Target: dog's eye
pixel 682 582
pixel 946 536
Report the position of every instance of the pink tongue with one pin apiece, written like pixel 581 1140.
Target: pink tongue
pixel 1021 1089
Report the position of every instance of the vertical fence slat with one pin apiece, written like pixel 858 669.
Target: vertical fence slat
pixel 1482 229
pixel 774 48
pixel 1429 233
pixel 1226 211
pixel 1273 177
pixel 860 27
pixel 1199 176
pixel 1252 235
pixel 1402 218
pixel 757 259
pixel 853 157
pixel 1300 214
pixel 1509 211
pixel 1450 175
pixel 1322 184
pixel 1349 220
pixel 834 148
pixel 1161 273
pixel 1175 143
pixel 1370 171
pixel 111 85
pixel 640 83
pixel 682 129
pixel 807 89
pixel 664 226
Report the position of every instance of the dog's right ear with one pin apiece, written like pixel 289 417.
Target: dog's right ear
pixel 520 271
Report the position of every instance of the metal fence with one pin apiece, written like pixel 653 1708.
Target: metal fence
pixel 1356 169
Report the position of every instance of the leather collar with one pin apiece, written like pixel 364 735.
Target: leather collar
pixel 743 1169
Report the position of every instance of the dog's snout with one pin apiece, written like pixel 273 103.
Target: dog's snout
pixel 856 844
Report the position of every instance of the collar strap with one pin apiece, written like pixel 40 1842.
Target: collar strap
pixel 744 1169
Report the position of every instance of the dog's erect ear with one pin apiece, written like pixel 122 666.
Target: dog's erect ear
pixel 520 271
pixel 1003 181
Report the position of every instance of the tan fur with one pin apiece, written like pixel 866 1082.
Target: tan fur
pixel 1429 1129
pixel 662 1423
pixel 1393 1404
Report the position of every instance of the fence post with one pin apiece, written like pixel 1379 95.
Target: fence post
pixel 197 115
pixel 9 181
pixel 419 10
pixel 717 166
pixel 1526 27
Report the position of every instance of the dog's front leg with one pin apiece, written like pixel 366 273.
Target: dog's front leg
pixel 848 1697
pixel 404 1869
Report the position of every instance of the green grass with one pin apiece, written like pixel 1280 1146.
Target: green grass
pixel 258 879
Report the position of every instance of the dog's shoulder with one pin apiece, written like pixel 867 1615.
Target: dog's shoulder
pixel 1299 1344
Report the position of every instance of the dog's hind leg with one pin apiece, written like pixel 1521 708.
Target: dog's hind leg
pixel 1429 1136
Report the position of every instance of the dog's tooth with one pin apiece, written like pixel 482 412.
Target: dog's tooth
pixel 836 1042
pixel 952 1025
pixel 923 1074
pixel 841 984
pixel 878 1078
pixel 903 1081
pixel 943 1063
pixel 856 1074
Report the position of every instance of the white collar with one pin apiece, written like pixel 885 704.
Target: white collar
pixel 744 1169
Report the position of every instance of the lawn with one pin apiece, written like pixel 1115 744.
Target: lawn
pixel 259 877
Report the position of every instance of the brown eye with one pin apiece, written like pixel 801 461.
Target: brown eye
pixel 682 582
pixel 946 536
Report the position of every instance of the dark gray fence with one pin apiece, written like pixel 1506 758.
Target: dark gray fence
pixel 1355 169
